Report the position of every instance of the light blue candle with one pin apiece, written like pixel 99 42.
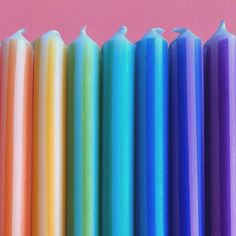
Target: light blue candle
pixel 83 135
pixel 117 135
pixel 151 135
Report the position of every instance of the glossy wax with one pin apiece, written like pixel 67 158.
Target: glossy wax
pixel 49 136
pixel 151 135
pixel 117 136
pixel 220 132
pixel 16 110
pixel 186 135
pixel 83 136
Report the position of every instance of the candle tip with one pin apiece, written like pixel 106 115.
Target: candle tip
pixel 123 30
pixel 56 32
pixel 17 35
pixel 179 30
pixel 222 25
pixel 83 30
pixel 52 33
pixel 158 30
pixel 22 31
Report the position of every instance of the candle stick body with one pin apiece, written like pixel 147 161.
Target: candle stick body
pixel 83 137
pixel 49 127
pixel 186 136
pixel 117 136
pixel 220 133
pixel 151 136
pixel 16 95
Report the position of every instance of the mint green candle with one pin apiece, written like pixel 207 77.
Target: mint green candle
pixel 83 136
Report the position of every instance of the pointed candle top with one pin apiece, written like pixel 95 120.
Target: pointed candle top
pixel 121 32
pixel 184 32
pixel 154 33
pixel 84 37
pixel 52 33
pixel 179 30
pixel 222 25
pixel 221 28
pixel 220 33
pixel 83 30
pixel 158 30
pixel 17 35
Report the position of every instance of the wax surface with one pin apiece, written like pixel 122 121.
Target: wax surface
pixel 117 136
pixel 220 133
pixel 83 132
pixel 16 94
pixel 49 127
pixel 186 135
pixel 151 135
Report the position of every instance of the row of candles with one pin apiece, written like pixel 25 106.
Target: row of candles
pixel 135 139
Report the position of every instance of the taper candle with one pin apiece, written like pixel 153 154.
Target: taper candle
pixel 49 144
pixel 16 110
pixel 151 135
pixel 117 135
pixel 220 133
pixel 186 135
pixel 83 136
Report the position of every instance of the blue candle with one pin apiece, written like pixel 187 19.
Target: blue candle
pixel 151 135
pixel 186 135
pixel 117 136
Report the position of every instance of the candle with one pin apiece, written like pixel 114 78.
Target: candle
pixel 151 135
pixel 220 132
pixel 117 135
pixel 186 135
pixel 49 126
pixel 16 94
pixel 83 151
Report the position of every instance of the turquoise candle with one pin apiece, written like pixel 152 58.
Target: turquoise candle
pixel 151 135
pixel 117 136
pixel 83 137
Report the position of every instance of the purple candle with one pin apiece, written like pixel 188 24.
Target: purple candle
pixel 220 133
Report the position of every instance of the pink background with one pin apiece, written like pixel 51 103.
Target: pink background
pixel 104 17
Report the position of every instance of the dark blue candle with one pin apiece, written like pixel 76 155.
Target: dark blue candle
pixel 186 135
pixel 151 135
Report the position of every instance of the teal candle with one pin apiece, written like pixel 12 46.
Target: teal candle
pixel 83 137
pixel 117 135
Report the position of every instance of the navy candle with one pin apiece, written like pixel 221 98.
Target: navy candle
pixel 186 135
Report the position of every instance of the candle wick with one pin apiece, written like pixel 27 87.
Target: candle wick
pixel 83 29
pixel 222 25
pixel 158 30
pixel 123 30
pixel 21 31
pixel 179 30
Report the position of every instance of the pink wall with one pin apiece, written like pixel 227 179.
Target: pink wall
pixel 103 17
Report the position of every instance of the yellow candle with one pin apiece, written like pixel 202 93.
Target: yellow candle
pixel 49 130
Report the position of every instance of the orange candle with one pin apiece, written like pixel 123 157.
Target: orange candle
pixel 16 96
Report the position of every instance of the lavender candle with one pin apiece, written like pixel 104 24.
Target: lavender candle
pixel 220 133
